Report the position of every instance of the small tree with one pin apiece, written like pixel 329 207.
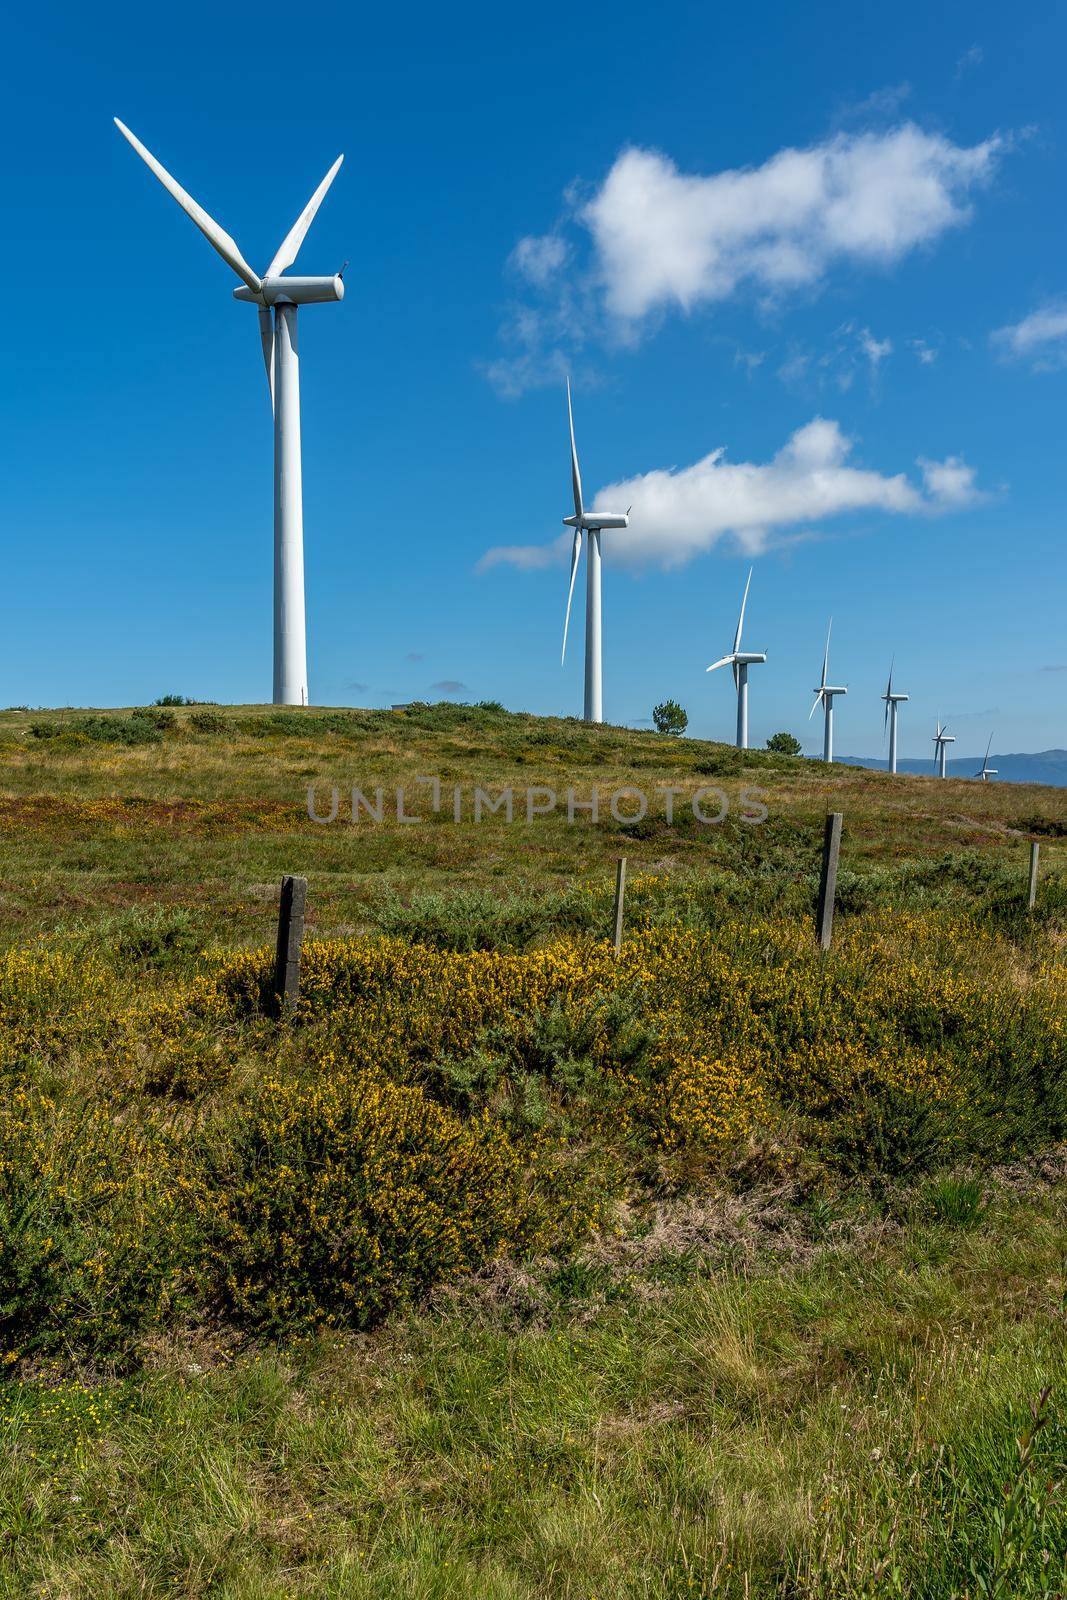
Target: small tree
pixel 784 743
pixel 669 717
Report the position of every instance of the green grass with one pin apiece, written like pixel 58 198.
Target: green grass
pixel 808 1363
pixel 207 821
pixel 847 1425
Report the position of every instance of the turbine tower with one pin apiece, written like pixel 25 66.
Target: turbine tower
pixel 987 771
pixel 942 740
pixel 277 298
pixel 741 660
pixel 891 702
pixel 825 693
pixel 590 522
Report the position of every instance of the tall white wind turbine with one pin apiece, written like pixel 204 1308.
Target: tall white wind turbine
pixel 741 660
pixel 942 740
pixel 824 694
pixel 591 523
pixel 891 702
pixel 277 298
pixel 987 771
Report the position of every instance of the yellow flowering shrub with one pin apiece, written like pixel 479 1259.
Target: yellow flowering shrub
pixel 426 1109
pixel 94 1216
pixel 337 1200
pixel 50 999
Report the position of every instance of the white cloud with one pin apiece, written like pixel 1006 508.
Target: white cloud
pixel 950 483
pixel 678 513
pixel 925 353
pixel 666 238
pixel 874 349
pixel 539 257
pixel 1040 338
pixel 650 238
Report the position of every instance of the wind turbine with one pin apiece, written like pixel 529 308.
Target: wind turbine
pixel 942 740
pixel 891 702
pixel 277 298
pixel 825 693
pixel 741 660
pixel 590 522
pixel 987 771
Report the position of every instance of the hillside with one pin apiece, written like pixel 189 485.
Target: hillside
pixel 504 1264
pixel 103 812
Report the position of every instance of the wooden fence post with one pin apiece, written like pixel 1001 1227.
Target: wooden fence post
pixel 290 938
pixel 831 847
pixel 1035 851
pixel 620 895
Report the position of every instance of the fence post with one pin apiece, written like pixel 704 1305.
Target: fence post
pixel 620 895
pixel 290 938
pixel 831 846
pixel 1035 851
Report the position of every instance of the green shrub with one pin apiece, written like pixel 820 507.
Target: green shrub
pixel 338 1200
pixel 159 717
pixel 102 730
pixel 208 722
pixel 93 1219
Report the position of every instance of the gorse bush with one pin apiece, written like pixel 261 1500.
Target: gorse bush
pixel 94 1216
pixel 101 730
pixel 338 1200
pixel 426 1109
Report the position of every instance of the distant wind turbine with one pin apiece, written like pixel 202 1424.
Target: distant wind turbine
pixel 590 522
pixel 825 694
pixel 277 298
pixel 987 771
pixel 942 740
pixel 741 660
pixel 891 702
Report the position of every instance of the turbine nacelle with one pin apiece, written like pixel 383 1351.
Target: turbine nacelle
pixel 593 521
pixel 294 291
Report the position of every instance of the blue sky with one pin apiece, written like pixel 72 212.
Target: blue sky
pixel 606 190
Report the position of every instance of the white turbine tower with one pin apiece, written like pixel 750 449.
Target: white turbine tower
pixel 590 522
pixel 277 298
pixel 825 694
pixel 891 702
pixel 987 771
pixel 741 660
pixel 942 740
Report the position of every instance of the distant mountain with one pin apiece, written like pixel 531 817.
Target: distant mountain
pixel 1044 766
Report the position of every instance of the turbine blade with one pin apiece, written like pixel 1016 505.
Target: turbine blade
pixel 576 550
pixel 217 237
pixel 814 708
pixel 826 654
pixel 737 676
pixel 889 685
pixel 290 245
pixel 988 747
pixel 723 661
pixel 266 339
pixel 741 618
pixel 576 477
pixel 885 720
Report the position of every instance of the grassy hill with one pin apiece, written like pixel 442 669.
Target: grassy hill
pixel 507 1266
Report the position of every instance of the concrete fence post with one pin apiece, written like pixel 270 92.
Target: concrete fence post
pixel 1031 896
pixel 831 849
pixel 620 895
pixel 290 938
